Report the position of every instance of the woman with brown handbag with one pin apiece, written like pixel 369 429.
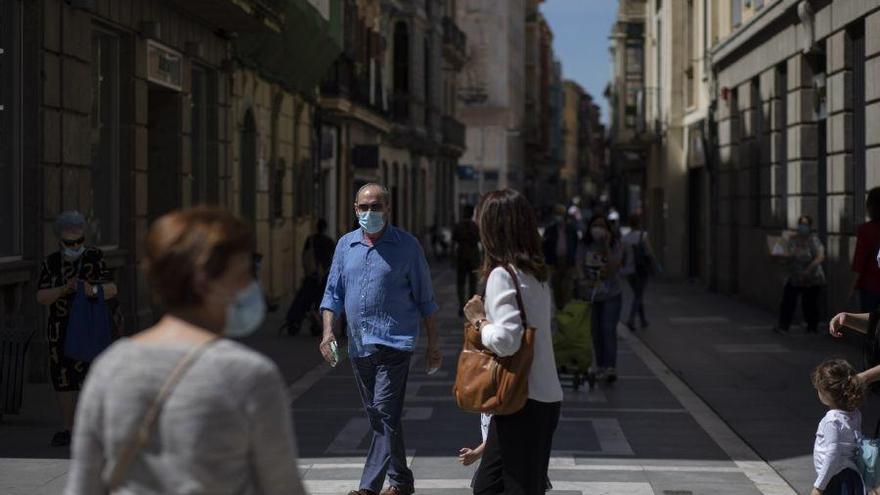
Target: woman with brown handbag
pixel 517 451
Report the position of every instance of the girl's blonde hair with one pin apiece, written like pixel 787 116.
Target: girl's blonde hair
pixel 840 383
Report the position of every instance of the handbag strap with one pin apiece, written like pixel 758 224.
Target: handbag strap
pixel 519 301
pixel 142 434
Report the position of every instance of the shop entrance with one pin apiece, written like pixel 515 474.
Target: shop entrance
pixel 164 151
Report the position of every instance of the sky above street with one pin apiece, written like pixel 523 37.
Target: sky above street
pixel 581 29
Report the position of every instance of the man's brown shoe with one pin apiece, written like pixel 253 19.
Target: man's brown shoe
pixel 399 490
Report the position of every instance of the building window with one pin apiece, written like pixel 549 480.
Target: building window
pixel 277 165
pixel 780 176
pixel 247 163
pixel 278 190
pixel 736 10
pixel 690 32
pixel 104 137
pixel 634 64
pixel 428 80
pixel 856 35
pixel 758 167
pixel 401 58
pixel 203 137
pixel 10 129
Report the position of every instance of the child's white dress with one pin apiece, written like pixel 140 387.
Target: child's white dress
pixel 836 447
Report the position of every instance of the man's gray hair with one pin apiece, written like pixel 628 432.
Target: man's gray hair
pixel 70 220
pixel 383 191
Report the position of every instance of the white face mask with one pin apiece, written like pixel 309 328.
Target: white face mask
pixel 73 254
pixel 245 313
pixel 878 258
pixel 372 221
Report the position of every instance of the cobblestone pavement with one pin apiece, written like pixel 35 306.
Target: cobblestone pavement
pixel 648 434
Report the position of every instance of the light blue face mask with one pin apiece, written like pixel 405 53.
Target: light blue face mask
pixel 246 312
pixel 73 254
pixel 371 221
pixel 803 229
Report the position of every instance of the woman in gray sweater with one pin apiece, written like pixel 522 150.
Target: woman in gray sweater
pixel 175 409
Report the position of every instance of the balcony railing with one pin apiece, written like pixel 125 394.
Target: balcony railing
pixel 341 81
pixel 454 36
pixel 453 132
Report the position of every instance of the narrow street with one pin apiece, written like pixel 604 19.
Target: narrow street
pixel 705 395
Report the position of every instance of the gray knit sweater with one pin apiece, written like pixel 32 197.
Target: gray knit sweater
pixel 226 428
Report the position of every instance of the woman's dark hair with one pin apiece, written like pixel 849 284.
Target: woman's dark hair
pixel 588 236
pixel 873 203
pixel 635 221
pixel 509 233
pixel 838 380
pixel 808 219
pixel 185 244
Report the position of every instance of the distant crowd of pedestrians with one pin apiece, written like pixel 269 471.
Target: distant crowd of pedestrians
pixel 182 407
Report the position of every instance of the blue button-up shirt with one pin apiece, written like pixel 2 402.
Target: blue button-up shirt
pixel 384 290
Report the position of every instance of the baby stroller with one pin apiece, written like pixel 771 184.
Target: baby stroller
pixel 573 344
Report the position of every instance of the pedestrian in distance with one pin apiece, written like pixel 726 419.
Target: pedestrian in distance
pixel 518 445
pixel 466 237
pixel 380 280
pixel 178 407
pixel 804 254
pixel 840 431
pixel 560 253
pixel 599 260
pixel 637 267
pixel 74 266
pixel 866 280
pixel 317 256
pixel 861 323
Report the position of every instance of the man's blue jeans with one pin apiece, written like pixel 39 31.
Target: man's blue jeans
pixel 381 379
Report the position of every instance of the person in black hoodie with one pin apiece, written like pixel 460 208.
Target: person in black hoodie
pixel 560 252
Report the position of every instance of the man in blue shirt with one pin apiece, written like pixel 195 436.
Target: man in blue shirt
pixel 380 281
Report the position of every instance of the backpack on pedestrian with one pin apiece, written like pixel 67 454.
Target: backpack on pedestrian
pixel 868 461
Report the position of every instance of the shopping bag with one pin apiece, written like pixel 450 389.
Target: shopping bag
pixel 572 341
pixel 88 328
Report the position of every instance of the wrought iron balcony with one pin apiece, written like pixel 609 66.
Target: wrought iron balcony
pixel 454 41
pixel 343 82
pixel 245 16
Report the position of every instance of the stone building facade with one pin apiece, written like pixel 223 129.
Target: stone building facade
pixel 492 96
pixel 583 169
pixel 387 114
pixel 796 119
pixel 755 113
pixel 626 92
pixel 125 110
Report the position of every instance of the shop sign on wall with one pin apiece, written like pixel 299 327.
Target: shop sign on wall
pixel 164 66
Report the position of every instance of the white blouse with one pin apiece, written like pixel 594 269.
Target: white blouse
pixel 503 334
pixel 837 441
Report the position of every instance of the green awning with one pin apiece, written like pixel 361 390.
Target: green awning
pixel 299 56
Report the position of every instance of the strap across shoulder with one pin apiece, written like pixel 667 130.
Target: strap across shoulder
pixel 522 309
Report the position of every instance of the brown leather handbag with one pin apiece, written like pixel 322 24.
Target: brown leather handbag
pixel 485 382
